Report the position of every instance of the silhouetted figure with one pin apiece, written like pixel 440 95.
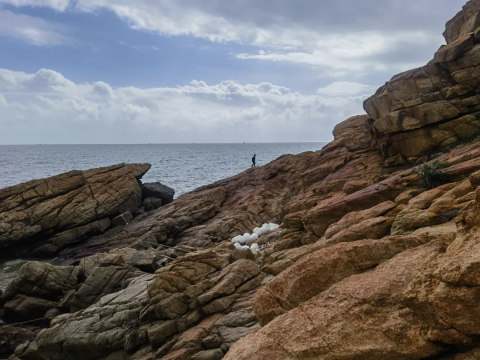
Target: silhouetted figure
pixel 253 160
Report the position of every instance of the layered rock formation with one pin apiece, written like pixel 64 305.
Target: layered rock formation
pixel 434 106
pixel 69 205
pixel 367 264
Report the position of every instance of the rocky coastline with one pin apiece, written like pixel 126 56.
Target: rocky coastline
pixel 371 261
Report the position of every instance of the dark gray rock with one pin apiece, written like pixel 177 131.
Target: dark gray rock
pixel 27 308
pixel 71 236
pixel 122 219
pixel 152 203
pixel 159 191
pixel 50 315
pixel 106 279
pixel 28 351
pixel 216 354
pixel 11 337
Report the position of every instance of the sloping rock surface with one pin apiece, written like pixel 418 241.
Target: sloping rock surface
pixel 40 208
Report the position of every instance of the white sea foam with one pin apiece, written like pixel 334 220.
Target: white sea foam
pixel 240 240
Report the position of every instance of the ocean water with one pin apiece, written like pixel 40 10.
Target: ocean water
pixel 184 167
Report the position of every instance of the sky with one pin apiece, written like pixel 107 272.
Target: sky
pixel 182 71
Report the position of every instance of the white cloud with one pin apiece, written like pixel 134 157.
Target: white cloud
pixel 345 88
pixel 32 30
pixel 355 53
pixel 195 112
pixel 59 5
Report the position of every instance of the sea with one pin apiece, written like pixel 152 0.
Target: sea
pixel 183 167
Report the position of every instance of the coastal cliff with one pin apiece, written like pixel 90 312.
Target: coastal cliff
pixel 371 261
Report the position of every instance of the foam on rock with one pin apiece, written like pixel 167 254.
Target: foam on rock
pixel 240 240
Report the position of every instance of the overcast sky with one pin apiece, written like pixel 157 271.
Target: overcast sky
pixel 156 71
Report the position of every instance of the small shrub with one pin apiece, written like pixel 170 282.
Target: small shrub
pixel 467 142
pixel 431 176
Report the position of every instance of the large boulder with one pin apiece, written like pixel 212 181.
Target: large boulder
pixel 43 280
pixel 27 308
pixel 158 191
pixel 38 209
pixel 316 272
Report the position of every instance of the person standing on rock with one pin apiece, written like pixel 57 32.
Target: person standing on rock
pixel 253 160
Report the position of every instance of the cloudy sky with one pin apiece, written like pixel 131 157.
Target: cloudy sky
pixel 155 71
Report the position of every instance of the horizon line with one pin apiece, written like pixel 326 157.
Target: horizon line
pixel 184 143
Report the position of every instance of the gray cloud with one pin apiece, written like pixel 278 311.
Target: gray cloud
pixel 33 102
pixel 348 36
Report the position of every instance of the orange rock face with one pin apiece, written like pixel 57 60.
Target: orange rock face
pixel 434 106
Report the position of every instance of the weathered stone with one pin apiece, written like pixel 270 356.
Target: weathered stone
pixel 439 101
pixel 28 351
pixel 355 218
pixel 340 279
pixel 318 271
pixel 11 337
pixel 437 206
pixel 43 280
pixel 122 219
pixel 105 279
pixel 159 191
pixel 152 204
pixel 27 308
pixel 70 200
pixel 354 185
pixel 70 237
pixel 216 354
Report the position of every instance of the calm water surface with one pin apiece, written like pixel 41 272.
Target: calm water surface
pixel 182 166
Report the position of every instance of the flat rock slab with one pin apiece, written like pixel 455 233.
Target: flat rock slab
pixel 159 191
